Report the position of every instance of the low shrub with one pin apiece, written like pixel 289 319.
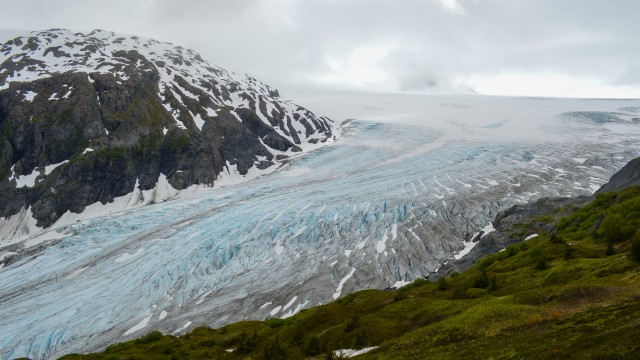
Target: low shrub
pixel 150 337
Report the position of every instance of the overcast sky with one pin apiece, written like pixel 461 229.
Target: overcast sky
pixel 576 48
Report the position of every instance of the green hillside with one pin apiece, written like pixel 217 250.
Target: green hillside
pixel 574 294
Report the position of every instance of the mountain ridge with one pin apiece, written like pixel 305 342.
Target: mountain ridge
pixel 87 118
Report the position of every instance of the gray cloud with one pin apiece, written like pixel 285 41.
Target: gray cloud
pixel 386 45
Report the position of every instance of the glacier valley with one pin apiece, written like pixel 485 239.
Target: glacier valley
pixel 388 202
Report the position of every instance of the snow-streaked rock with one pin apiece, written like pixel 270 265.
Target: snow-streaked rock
pixel 87 119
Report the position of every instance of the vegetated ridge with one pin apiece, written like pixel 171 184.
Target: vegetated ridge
pixel 570 291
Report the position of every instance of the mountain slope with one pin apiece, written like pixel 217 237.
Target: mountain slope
pixel 92 118
pixel 629 175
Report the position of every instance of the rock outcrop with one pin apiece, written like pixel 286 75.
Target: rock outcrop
pixel 629 175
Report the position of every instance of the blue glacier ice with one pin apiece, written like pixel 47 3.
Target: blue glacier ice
pixel 385 203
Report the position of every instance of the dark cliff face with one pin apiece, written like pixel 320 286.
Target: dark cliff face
pixel 114 113
pixel 629 175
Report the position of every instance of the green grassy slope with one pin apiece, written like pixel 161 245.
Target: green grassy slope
pixel 571 295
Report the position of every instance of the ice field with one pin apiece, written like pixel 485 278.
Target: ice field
pixel 396 196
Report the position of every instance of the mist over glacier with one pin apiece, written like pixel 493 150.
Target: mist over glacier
pixel 410 180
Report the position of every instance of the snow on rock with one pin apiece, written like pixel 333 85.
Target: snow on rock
pixel 29 95
pixel 183 74
pixel 468 245
pixel 275 310
pixel 265 305
pixel 338 291
pixel 28 180
pixel 139 326
pixel 293 300
pixel 49 168
pixel 198 121
pixel 531 237
pixel 400 283
pixel 353 352
pixel 183 327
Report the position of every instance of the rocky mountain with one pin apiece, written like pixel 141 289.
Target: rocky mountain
pixel 90 121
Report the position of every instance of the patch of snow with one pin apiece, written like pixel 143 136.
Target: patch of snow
pixel 49 168
pixel 400 283
pixel 197 119
pixel 163 314
pixel 531 237
pixel 488 229
pixel 139 326
pixel 28 180
pixel 265 305
pixel 211 112
pixel 87 150
pixel 201 299
pixel 342 282
pixel 180 124
pixel 29 95
pixel 275 310
pixel 184 327
pixel 68 93
pixel 291 302
pixel 468 245
pixel 352 352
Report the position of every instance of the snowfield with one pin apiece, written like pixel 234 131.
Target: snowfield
pixel 389 202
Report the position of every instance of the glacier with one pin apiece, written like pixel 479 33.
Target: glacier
pixel 388 202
